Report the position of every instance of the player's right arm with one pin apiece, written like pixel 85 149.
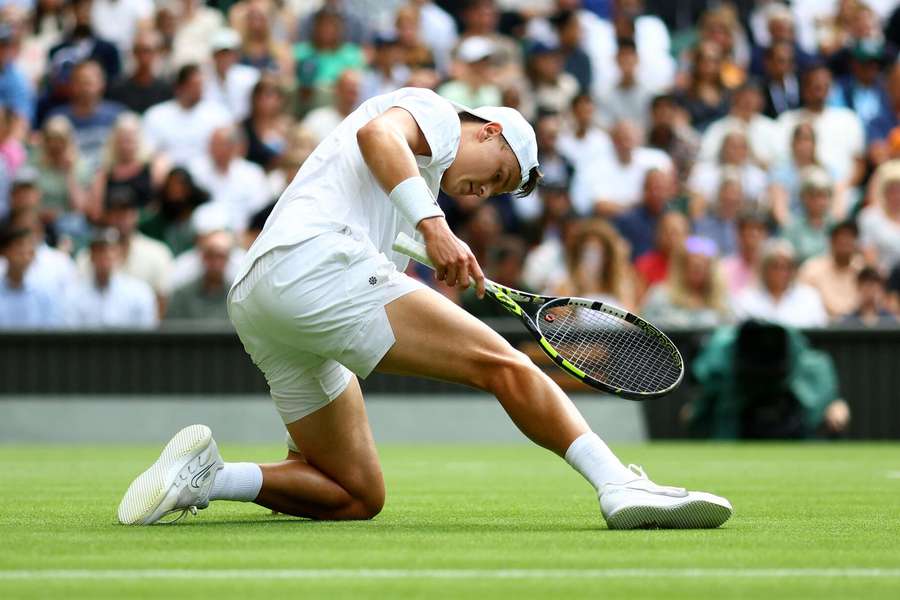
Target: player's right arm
pixel 389 144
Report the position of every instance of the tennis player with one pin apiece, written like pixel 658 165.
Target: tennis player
pixel 322 300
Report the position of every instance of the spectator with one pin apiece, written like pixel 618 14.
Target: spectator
pixel 694 293
pixel 107 297
pixel 127 164
pixel 879 224
pixel 62 176
pixel 237 187
pixel 327 54
pixel 204 297
pixel 863 90
pixel 652 266
pixel 15 89
pixel 761 131
pixel 778 297
pixel 610 185
pixel 473 85
pixel 195 25
pixel 741 267
pixel 720 224
pixel 299 144
pixel 839 133
pixel 576 61
pixel 260 48
pixel 785 177
pixel 353 19
pixel 387 71
pixel 780 29
pixel 597 266
pixel 808 234
pixel 545 262
pixel 322 121
pixel 638 224
pixel 670 131
pixel 180 128
pixel 51 268
pixel 627 98
pixel 118 21
pixel 139 256
pixel 439 29
pixel 763 381
pixel 24 304
pixel 733 159
pixel 12 151
pixel 705 97
pixel 834 274
pixel 188 265
pixel 722 27
pixel 583 140
pixel 226 82
pixel 168 219
pixel 549 85
pixel 266 127
pixel 480 18
pixel 555 166
pixel 144 87
pixel 414 49
pixel 80 44
pixel 870 309
pixel 91 116
pixel 779 80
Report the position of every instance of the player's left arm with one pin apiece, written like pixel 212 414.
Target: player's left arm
pixel 389 144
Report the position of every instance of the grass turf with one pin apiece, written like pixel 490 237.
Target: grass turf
pixel 467 521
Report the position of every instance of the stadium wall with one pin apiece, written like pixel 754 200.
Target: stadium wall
pixel 197 363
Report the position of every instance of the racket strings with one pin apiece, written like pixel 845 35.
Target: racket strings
pixel 610 349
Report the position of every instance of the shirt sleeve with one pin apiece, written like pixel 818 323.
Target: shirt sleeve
pixel 438 120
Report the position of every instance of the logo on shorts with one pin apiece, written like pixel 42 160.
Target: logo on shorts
pixel 373 280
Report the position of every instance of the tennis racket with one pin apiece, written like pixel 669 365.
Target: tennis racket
pixel 603 346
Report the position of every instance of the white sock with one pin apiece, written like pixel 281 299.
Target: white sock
pixel 590 456
pixel 237 481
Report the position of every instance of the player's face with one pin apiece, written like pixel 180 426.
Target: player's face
pixel 485 166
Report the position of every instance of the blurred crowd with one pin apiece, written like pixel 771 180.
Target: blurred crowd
pixel 704 161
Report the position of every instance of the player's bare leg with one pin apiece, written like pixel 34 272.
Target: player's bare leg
pixel 436 338
pixel 337 474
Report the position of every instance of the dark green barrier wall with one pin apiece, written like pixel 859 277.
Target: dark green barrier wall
pixel 200 361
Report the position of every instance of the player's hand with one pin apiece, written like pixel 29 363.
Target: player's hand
pixel 454 263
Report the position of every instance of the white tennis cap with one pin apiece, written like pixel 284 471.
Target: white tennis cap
pixel 517 132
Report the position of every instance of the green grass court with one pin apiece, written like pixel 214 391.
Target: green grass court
pixel 811 521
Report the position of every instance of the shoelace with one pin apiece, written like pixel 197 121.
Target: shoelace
pixel 184 511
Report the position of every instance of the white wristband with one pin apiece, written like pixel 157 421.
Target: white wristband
pixel 415 201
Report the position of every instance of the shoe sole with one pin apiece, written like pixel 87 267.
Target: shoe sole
pixel 696 514
pixel 149 489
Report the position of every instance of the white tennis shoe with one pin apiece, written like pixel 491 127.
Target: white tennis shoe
pixel 180 479
pixel 641 504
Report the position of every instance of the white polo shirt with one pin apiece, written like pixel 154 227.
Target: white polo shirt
pixel 183 133
pixel 127 302
pixel 800 306
pixel 611 180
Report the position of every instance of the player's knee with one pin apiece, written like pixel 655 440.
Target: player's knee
pixel 368 505
pixel 509 370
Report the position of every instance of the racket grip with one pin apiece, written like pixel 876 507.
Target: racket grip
pixel 404 244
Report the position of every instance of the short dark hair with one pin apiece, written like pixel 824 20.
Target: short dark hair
pixel 662 98
pixel 849 226
pixel 185 73
pixel 10 233
pixel 751 217
pixel 562 18
pixel 869 275
pixel 626 43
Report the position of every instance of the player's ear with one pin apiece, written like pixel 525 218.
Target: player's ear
pixel 489 130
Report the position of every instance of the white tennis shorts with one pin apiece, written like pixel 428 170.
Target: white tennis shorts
pixel 310 314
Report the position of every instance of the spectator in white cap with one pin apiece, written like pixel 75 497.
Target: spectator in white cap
pixel 226 82
pixel 778 297
pixel 473 83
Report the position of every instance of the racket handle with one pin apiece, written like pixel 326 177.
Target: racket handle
pixel 404 244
